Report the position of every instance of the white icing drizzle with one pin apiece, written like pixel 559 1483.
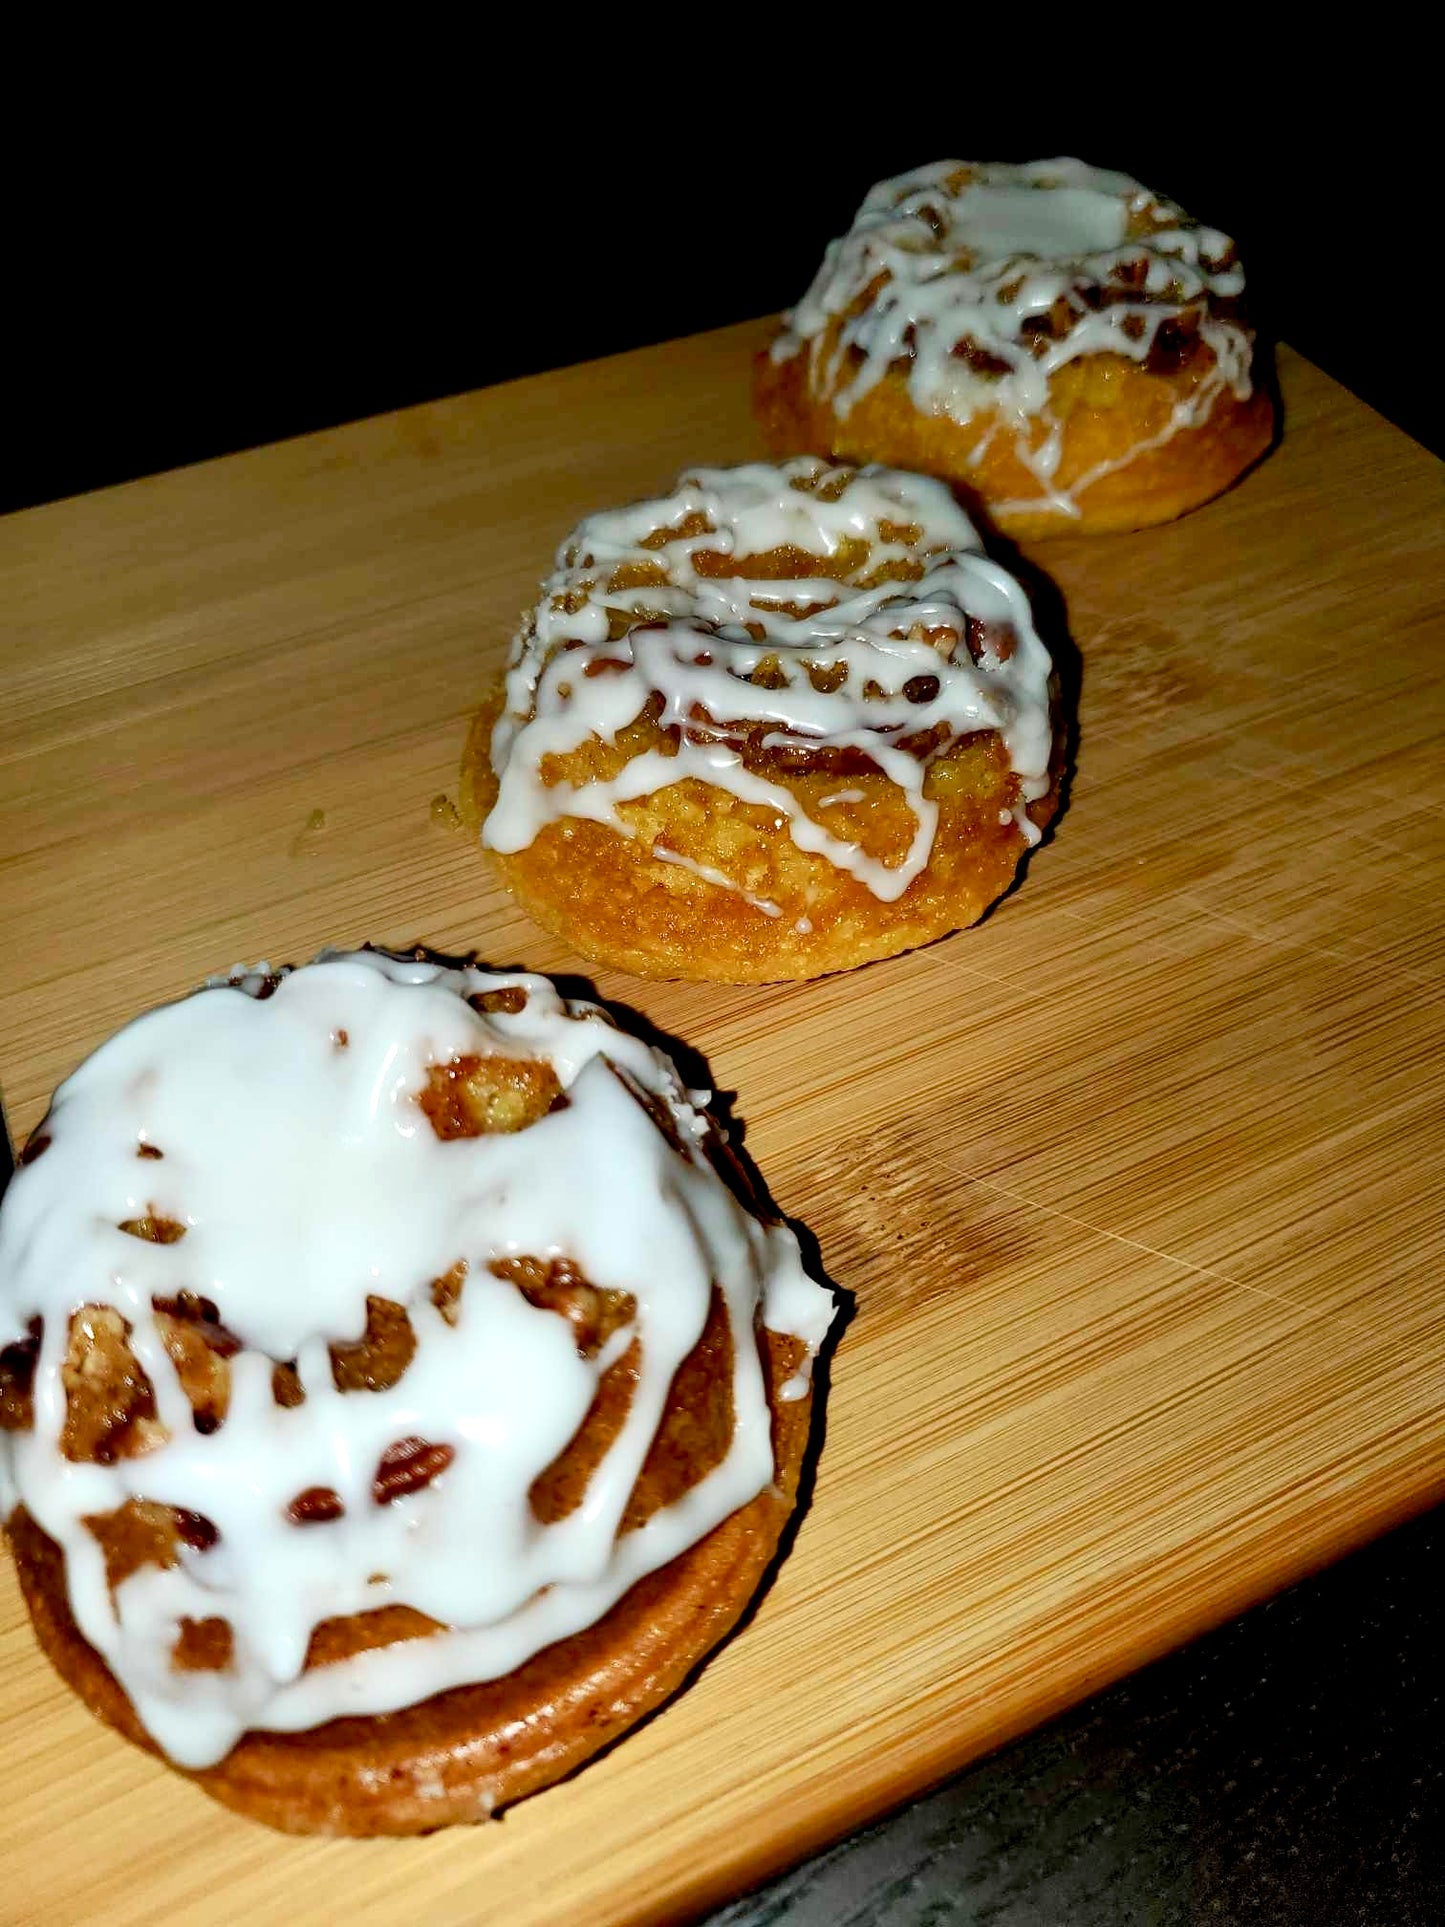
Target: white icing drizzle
pixel 567 682
pixel 977 256
pixel 307 1177
pixel 709 874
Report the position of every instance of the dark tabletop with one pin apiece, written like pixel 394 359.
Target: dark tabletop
pixel 1288 1770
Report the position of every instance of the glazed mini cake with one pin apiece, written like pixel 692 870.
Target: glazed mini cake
pixel 782 721
pixel 396 1401
pixel 1064 346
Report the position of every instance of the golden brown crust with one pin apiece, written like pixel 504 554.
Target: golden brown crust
pixel 466 1752
pixel 1107 404
pixel 608 897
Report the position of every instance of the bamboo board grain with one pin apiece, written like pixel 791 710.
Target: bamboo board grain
pixel 1138 1186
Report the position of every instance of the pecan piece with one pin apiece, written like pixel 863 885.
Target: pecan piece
pixel 318 1505
pixel 446 1291
pixel 286 1386
pixel 407 1467
pixel 153 1229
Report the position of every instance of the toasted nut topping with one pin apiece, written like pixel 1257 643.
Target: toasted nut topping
pixel 110 1407
pixel 153 1229
pixel 380 1356
pixel 446 1291
pixel 555 1284
pixel 197 1531
pixel 511 999
pixel 407 1466
pixel 286 1386
pixel 318 1505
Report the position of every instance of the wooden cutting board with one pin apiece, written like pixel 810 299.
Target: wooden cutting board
pixel 1137 1188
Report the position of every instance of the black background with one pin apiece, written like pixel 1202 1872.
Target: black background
pixel 208 294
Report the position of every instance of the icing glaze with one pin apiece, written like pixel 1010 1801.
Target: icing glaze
pixel 630 617
pixel 978 282
pixel 274 1117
